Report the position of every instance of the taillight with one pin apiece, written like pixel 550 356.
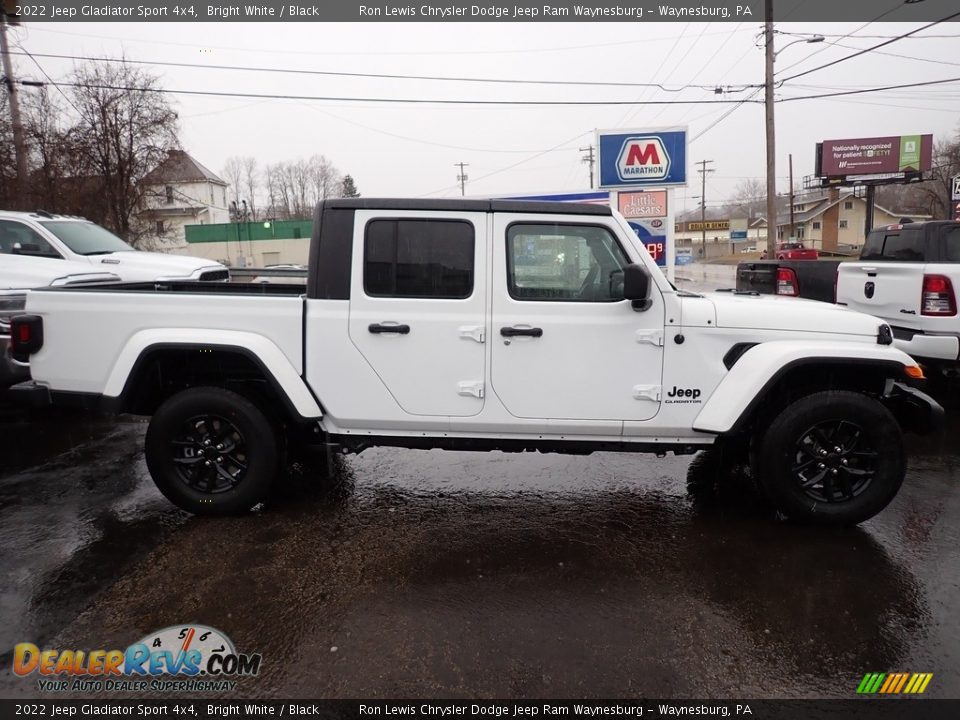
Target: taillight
pixel 26 335
pixel 787 282
pixel 937 297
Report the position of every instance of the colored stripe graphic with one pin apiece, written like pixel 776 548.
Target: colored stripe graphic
pixel 894 683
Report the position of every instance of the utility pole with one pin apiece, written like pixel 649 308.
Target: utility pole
pixel 791 196
pixel 589 159
pixel 19 145
pixel 462 177
pixel 703 204
pixel 771 136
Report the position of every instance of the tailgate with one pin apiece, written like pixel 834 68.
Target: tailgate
pixel 760 276
pixel 888 290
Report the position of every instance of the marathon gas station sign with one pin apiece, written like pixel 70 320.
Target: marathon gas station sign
pixel 642 158
pixel 640 168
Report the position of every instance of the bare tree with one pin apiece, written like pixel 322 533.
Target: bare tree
pixel 126 128
pixel 324 178
pixel 251 183
pixel 233 174
pixel 749 197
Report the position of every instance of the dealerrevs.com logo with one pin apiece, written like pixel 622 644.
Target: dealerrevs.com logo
pixel 178 658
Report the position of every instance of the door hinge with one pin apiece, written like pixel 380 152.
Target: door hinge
pixel 470 387
pixel 647 392
pixel 472 332
pixel 654 337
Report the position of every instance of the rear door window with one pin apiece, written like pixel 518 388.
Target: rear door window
pixel 906 245
pixel 951 245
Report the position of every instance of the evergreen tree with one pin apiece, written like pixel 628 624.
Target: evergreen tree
pixel 348 188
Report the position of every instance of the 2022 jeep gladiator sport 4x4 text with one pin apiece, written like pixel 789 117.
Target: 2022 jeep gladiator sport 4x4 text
pixel 478 324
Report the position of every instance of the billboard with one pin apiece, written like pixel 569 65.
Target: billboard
pixel 875 156
pixel 642 158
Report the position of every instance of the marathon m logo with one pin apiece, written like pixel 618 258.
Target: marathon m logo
pixel 894 683
pixel 643 157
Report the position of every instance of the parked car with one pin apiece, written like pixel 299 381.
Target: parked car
pixel 907 274
pixel 36 244
pixel 792 251
pixel 481 325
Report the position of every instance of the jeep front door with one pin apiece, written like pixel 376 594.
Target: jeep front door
pixel 565 345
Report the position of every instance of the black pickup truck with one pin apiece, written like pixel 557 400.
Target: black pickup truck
pixel 922 242
pixel 813 279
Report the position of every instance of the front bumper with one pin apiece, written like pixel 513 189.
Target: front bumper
pixel 920 345
pixel 915 410
pixel 11 372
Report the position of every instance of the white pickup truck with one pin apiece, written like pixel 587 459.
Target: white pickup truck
pixel 908 275
pixel 479 325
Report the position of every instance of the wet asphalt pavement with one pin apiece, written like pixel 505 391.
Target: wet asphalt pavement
pixel 444 574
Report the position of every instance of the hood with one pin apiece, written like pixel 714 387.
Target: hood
pixel 137 266
pixel 769 312
pixel 21 273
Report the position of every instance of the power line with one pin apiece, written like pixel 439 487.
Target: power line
pixel 902 57
pixel 379 76
pixel 367 52
pixel 870 90
pixel 415 101
pixel 849 34
pixel 513 165
pixel 869 49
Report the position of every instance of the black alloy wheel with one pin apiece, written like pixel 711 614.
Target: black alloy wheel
pixel 210 454
pixel 835 461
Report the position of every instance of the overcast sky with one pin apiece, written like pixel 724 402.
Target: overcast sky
pixel 410 150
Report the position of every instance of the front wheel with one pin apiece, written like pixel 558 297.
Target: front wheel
pixel 832 458
pixel 211 451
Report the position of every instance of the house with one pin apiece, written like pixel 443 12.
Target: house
pixel 179 192
pixel 834 220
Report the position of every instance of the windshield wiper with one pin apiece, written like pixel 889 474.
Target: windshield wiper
pixel 98 252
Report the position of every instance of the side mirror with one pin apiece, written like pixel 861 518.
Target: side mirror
pixel 636 286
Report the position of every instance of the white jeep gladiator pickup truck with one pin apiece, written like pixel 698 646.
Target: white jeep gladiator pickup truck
pixel 479 325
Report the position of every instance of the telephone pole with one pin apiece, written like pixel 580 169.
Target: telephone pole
pixel 20 147
pixel 590 160
pixel 791 196
pixel 462 177
pixel 771 138
pixel 703 204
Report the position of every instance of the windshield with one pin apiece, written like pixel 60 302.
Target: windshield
pixel 85 238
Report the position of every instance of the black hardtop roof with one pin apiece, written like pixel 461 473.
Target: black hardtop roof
pixel 457 205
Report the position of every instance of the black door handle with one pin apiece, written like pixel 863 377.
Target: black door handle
pixel 377 329
pixel 515 331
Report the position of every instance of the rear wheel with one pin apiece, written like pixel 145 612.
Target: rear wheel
pixel 211 451
pixel 832 458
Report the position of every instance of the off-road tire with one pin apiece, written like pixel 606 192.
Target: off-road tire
pixel 790 458
pixel 191 472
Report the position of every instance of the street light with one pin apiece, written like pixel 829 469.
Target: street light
pixel 813 39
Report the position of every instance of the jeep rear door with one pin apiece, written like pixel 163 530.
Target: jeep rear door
pixel 418 307
pixel 565 345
